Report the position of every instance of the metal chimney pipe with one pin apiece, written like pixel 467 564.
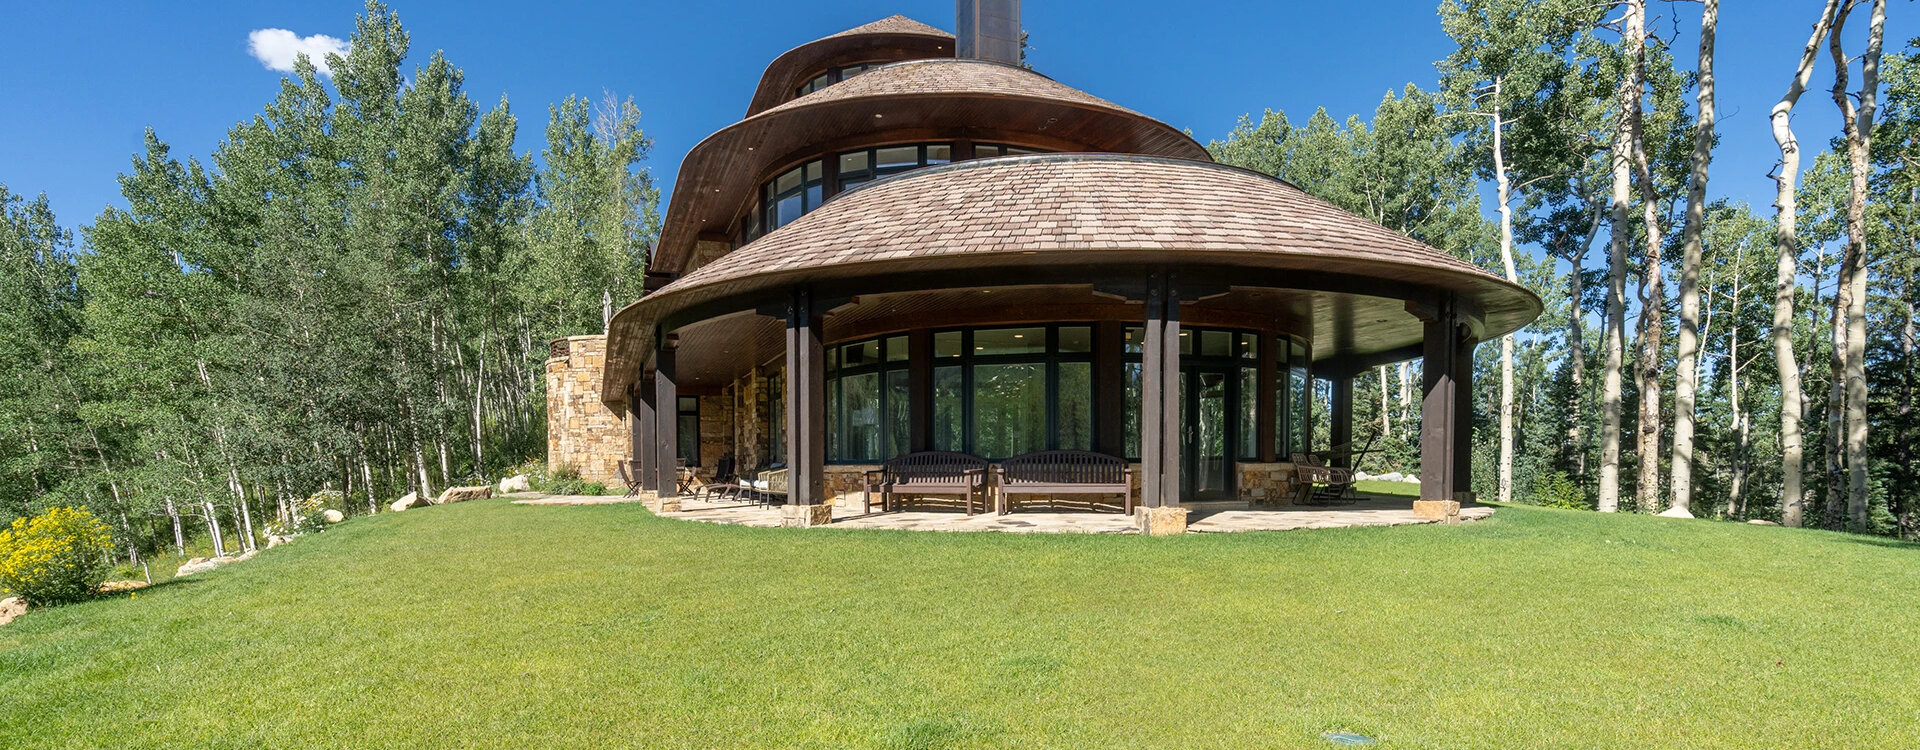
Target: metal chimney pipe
pixel 988 30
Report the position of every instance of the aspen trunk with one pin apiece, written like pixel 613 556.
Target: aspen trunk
pixel 179 536
pixel 1622 195
pixel 1504 188
pixel 1786 284
pixel 1652 329
pixel 1386 408
pixel 1852 377
pixel 1687 373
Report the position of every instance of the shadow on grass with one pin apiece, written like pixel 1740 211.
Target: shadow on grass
pixel 1881 541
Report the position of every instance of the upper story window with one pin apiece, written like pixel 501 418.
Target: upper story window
pixel 988 150
pixel 833 76
pixel 867 165
pixel 804 188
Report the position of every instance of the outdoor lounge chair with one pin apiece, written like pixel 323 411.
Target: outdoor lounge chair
pixel 1063 472
pixel 928 473
pixel 1316 483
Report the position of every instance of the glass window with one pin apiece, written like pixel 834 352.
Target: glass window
pixel 860 354
pixel 1249 347
pixel 949 425
pixel 1249 412
pixel 1074 410
pixel 1186 342
pixel 896 159
pixel 898 435
pixel 993 341
pixel 1131 413
pixel 1009 409
pixel 939 153
pixel 860 398
pixel 1076 340
pixel 947 344
pixel 1136 339
pixel 897 349
pixel 1216 344
pixel 687 429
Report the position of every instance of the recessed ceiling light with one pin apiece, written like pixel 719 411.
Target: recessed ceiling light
pixel 877 115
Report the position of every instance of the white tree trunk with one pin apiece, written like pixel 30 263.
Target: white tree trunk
pixel 1687 371
pixel 1634 25
pixel 1786 283
pixel 1504 187
pixel 1851 305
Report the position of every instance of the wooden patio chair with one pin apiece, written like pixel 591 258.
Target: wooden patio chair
pixel 629 470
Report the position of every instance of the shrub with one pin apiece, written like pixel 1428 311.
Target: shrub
pixel 307 516
pixel 58 556
pixel 563 480
pixel 1557 490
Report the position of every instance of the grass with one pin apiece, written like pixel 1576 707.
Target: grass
pixel 488 624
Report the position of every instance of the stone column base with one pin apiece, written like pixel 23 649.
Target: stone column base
pixel 1162 521
pixel 1446 511
pixel 663 505
pixel 806 515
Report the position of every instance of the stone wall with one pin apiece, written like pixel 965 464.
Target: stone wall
pixel 581 431
pixel 1266 483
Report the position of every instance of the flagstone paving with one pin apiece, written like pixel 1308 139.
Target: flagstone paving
pixel 1205 518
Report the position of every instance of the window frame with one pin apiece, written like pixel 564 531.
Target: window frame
pixel 1050 356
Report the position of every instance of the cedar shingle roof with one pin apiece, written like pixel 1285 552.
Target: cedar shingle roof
pixel 895 37
pixel 1000 216
pixel 894 24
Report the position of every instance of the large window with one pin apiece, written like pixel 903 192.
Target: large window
pixel 833 76
pixel 1295 409
pixel 1001 392
pixel 795 192
pixel 867 400
pixel 867 165
pixel 1235 353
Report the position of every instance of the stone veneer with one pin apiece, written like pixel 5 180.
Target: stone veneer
pixel 581 431
pixel 1266 483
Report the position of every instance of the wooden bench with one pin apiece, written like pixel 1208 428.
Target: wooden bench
pixel 1063 472
pixel 928 473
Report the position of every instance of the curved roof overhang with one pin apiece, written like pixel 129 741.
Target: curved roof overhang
pixel 1090 218
pixel 903 102
pixel 888 39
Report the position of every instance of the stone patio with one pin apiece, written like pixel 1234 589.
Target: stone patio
pixel 1206 517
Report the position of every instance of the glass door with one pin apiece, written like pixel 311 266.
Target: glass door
pixel 1205 443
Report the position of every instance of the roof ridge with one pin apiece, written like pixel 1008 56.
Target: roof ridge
pixel 894 24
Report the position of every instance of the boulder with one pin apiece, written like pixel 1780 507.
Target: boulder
pixel 1763 522
pixel 1675 512
pixel 202 565
pixel 515 483
pixel 12 607
pixel 115 587
pixel 275 541
pixel 410 500
pixel 1392 476
pixel 1411 479
pixel 332 516
pixel 463 494
pixel 1361 476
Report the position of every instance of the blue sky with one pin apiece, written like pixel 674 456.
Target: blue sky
pixel 80 80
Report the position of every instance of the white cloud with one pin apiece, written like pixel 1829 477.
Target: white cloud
pixel 278 48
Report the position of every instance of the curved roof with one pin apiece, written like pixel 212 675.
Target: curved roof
pixel 895 37
pixel 912 99
pixel 1082 209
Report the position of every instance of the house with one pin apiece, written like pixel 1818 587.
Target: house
pixel 913 243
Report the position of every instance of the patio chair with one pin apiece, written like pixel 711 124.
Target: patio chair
pixel 629 470
pixel 1316 483
pixel 725 482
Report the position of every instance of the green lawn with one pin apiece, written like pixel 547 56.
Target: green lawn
pixel 491 625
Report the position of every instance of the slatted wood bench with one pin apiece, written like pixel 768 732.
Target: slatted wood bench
pixel 928 473
pixel 1063 472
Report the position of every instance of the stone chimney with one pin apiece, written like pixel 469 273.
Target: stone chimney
pixel 988 30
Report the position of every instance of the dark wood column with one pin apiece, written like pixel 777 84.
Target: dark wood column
pixel 1440 401
pixel 1109 387
pixel 1463 411
pixel 1266 402
pixel 806 402
pixel 645 428
pixel 666 400
pixel 920 390
pixel 1340 434
pixel 1160 395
